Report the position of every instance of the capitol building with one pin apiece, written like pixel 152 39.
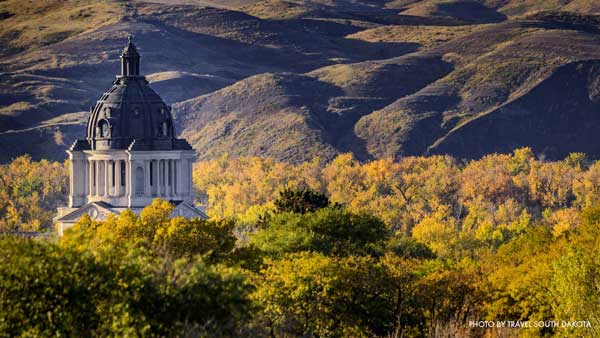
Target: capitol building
pixel 130 155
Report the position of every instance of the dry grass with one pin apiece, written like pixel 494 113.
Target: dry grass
pixel 15 109
pixel 511 8
pixel 275 10
pixel 426 36
pixel 33 23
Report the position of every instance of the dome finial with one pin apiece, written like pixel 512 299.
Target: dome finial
pixel 130 59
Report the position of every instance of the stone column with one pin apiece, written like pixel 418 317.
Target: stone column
pixel 159 178
pixel 91 177
pixel 100 176
pixel 71 180
pixel 106 179
pixel 97 178
pixel 147 190
pixel 170 178
pixel 79 178
pixel 177 177
pixel 117 165
pixel 188 177
pixel 128 178
pixel 154 178
pixel 166 176
pixel 85 171
pixel 163 177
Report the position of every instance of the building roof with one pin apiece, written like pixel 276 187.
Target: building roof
pixel 100 211
pixel 130 115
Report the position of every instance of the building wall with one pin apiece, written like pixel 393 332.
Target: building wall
pixel 96 177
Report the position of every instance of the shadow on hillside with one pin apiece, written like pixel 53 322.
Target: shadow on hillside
pixel 471 11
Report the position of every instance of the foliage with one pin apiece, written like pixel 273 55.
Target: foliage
pixel 411 248
pixel 155 231
pixel 331 231
pixel 300 201
pixel 184 259
pixel 29 194
pixel 309 294
pixel 48 291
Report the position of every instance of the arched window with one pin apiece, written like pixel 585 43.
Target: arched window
pixel 103 130
pixel 165 128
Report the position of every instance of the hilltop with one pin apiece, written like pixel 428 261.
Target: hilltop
pixel 298 79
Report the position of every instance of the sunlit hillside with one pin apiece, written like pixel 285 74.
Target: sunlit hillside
pixel 298 79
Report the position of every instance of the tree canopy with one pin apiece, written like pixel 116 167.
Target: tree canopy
pixel 417 247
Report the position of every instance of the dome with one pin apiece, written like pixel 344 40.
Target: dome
pixel 131 115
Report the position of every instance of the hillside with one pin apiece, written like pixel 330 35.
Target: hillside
pixel 299 79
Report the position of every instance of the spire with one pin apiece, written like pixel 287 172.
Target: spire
pixel 130 59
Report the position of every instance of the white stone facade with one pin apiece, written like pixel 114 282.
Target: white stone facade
pixel 111 181
pixel 130 155
pixel 131 179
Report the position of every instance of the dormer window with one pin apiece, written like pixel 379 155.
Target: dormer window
pixel 165 128
pixel 103 130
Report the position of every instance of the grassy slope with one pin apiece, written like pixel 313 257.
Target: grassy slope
pixel 492 66
pixel 374 82
pixel 27 25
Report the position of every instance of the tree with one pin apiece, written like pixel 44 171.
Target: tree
pixel 300 201
pixel 30 192
pixel 519 276
pixel 312 295
pixel 331 231
pixel 156 231
pixel 575 292
pixel 577 160
pixel 199 294
pixel 438 231
pixel 48 291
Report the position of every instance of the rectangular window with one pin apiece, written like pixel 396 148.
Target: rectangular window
pixel 151 173
pixel 112 168
pixel 123 173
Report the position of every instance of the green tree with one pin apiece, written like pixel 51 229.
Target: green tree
pixel 156 231
pixel 312 295
pixel 48 291
pixel 575 291
pixel 331 231
pixel 300 201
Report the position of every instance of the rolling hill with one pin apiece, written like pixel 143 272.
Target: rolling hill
pixel 300 79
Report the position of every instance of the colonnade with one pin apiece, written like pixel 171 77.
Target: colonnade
pixel 108 178
pixel 127 180
pixel 161 178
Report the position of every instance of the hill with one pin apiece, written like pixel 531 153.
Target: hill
pixel 299 79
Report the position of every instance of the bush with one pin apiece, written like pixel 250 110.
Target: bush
pixel 331 231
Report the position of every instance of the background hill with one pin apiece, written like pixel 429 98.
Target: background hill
pixel 298 79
